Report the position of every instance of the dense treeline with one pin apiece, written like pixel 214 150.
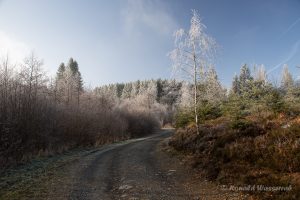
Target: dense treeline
pixel 250 136
pixel 250 94
pixel 161 96
pixel 41 115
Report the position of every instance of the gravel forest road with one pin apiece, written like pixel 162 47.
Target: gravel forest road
pixel 130 171
pixel 135 169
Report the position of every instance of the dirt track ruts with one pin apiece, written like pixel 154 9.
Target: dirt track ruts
pixel 136 169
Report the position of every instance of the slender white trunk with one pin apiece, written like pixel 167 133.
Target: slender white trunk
pixel 195 89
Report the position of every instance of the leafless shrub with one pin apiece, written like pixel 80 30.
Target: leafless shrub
pixel 39 118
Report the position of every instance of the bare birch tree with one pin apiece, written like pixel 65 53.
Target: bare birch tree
pixel 193 53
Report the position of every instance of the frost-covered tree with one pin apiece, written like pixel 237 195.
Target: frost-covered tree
pixel 260 74
pixel 286 78
pixel 73 65
pixel 214 92
pixel 60 72
pixel 148 93
pixel 69 83
pixel 245 76
pixel 60 83
pixel 120 87
pixel 288 87
pixel 152 89
pixel 235 84
pixel 143 87
pixel 126 93
pixel 160 88
pixel 245 80
pixel 135 88
pixel 33 75
pixel 171 93
pixel 108 92
pixel 186 95
pixel 6 85
pixel 193 53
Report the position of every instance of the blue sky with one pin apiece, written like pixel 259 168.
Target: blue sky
pixel 126 40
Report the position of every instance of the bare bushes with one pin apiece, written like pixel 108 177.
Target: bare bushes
pixel 48 127
pixel 141 119
pixel 39 118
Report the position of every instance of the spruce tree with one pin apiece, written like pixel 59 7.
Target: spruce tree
pixel 236 85
pixel 287 81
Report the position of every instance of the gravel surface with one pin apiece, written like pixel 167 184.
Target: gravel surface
pixel 131 170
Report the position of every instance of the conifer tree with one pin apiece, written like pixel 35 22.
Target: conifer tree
pixel 236 85
pixel 286 78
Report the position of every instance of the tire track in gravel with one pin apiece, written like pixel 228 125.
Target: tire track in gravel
pixel 134 170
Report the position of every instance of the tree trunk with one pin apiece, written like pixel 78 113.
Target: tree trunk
pixel 195 90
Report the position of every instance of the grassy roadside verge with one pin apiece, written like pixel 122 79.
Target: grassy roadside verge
pixel 30 180
pixel 41 176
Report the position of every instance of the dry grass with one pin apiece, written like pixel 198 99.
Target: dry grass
pixel 32 179
pixel 246 152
